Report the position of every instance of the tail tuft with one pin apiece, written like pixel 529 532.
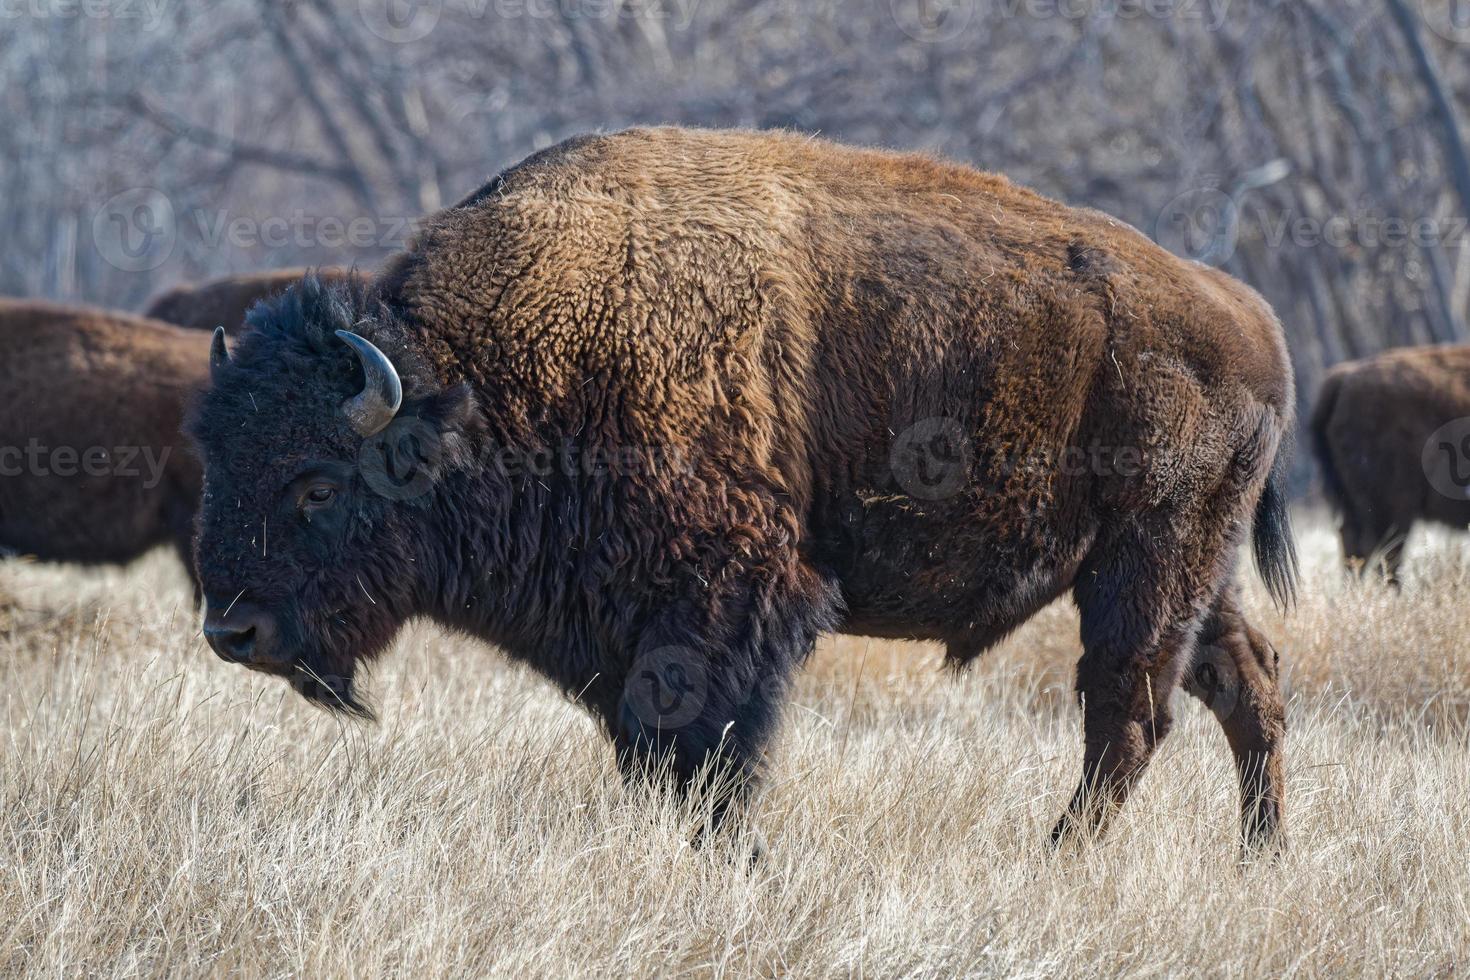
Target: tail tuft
pixel 1275 550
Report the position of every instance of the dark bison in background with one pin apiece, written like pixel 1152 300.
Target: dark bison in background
pixel 224 302
pixel 652 411
pixel 1392 438
pixel 93 467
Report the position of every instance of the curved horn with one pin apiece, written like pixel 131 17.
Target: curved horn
pixel 219 353
pixel 373 408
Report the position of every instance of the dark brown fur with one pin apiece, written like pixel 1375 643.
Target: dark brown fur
pixel 776 313
pixel 224 302
pixel 80 380
pixel 1371 429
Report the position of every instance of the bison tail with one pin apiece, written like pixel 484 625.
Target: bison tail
pixel 1272 541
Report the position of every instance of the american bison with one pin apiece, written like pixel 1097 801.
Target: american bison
pixel 93 465
pixel 224 302
pixel 652 411
pixel 1392 439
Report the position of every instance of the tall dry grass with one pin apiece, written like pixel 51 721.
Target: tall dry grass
pixel 163 813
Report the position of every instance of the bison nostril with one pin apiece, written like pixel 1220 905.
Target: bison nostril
pixel 232 644
pixel 244 633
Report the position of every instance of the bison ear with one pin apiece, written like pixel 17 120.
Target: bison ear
pixel 219 352
pixel 455 413
pixel 431 437
pixel 453 409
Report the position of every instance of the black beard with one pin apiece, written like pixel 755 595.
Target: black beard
pixel 335 693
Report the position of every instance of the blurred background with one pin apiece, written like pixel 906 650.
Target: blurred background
pixel 1314 148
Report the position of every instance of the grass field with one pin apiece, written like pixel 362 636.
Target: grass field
pixel 163 813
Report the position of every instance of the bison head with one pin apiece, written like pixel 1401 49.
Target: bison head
pixel 327 442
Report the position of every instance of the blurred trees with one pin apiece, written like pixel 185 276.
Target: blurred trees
pixel 1312 147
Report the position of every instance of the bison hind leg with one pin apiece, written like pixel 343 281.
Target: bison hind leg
pixel 1376 546
pixel 1235 675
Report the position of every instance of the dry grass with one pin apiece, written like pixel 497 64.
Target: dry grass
pixel 165 814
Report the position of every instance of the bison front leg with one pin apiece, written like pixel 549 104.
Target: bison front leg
pixel 690 722
pixel 1125 715
pixel 1138 629
pixel 704 695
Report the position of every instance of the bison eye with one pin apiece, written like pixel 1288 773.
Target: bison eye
pixel 318 495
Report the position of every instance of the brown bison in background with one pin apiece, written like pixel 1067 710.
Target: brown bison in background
pixel 653 411
pixel 1392 438
pixel 224 302
pixel 93 467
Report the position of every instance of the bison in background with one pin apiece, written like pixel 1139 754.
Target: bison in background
pixel 652 411
pixel 93 468
pixel 224 302
pixel 1391 435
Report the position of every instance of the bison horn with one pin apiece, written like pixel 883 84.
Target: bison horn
pixel 373 408
pixel 219 353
